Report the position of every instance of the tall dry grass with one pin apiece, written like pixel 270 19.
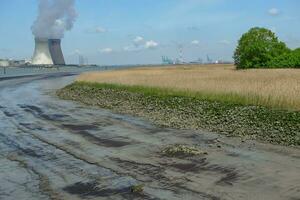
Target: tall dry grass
pixel 270 87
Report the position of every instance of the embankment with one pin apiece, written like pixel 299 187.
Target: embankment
pixel 181 110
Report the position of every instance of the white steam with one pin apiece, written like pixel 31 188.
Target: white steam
pixel 54 18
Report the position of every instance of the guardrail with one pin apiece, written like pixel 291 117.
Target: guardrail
pixel 44 69
pixel 34 70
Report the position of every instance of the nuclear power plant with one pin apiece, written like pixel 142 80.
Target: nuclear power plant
pixel 56 52
pixel 48 52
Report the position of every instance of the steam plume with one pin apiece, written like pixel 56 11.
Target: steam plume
pixel 54 18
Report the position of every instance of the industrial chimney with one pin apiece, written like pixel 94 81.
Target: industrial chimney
pixel 54 18
pixel 48 52
pixel 42 54
pixel 56 52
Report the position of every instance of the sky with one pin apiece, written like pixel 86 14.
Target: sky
pixel 120 32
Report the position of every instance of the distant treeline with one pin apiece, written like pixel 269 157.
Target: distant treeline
pixel 260 48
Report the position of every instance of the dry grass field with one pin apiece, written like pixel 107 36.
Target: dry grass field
pixel 279 88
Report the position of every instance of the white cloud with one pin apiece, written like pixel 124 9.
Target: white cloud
pixel 75 52
pixel 139 44
pixel 130 48
pixel 151 44
pixel 195 42
pixel 138 39
pixel 106 50
pixel 133 48
pixel 225 42
pixel 100 30
pixel 274 12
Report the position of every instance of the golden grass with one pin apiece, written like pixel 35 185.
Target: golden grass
pixel 270 87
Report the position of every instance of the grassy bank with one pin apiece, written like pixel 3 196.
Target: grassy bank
pixel 191 110
pixel 274 88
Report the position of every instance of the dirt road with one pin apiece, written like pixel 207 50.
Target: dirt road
pixel 54 149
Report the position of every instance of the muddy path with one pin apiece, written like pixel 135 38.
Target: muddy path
pixel 54 149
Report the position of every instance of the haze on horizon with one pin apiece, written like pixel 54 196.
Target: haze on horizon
pixel 140 32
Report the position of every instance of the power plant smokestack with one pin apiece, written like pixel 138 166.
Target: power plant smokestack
pixel 56 52
pixel 42 55
pixel 54 18
pixel 48 52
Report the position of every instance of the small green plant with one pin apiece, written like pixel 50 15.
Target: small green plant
pixel 182 150
pixel 137 188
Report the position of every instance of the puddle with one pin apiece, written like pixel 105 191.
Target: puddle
pixel 9 114
pixel 91 189
pixel 82 127
pixel 86 189
pixel 31 126
pixel 229 175
pixel 100 141
pixel 37 111
pixel 186 167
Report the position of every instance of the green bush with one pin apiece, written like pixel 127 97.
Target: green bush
pixel 257 48
pixel 287 60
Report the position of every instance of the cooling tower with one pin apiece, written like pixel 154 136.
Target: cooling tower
pixel 42 54
pixel 56 52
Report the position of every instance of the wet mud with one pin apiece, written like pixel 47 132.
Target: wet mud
pixel 55 149
pixel 92 189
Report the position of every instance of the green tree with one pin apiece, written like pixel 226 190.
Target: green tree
pixel 296 51
pixel 286 60
pixel 257 48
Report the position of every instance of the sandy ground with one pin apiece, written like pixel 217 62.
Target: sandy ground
pixel 54 149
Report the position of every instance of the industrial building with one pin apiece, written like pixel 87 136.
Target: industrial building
pixel 48 52
pixel 12 63
pixel 4 63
